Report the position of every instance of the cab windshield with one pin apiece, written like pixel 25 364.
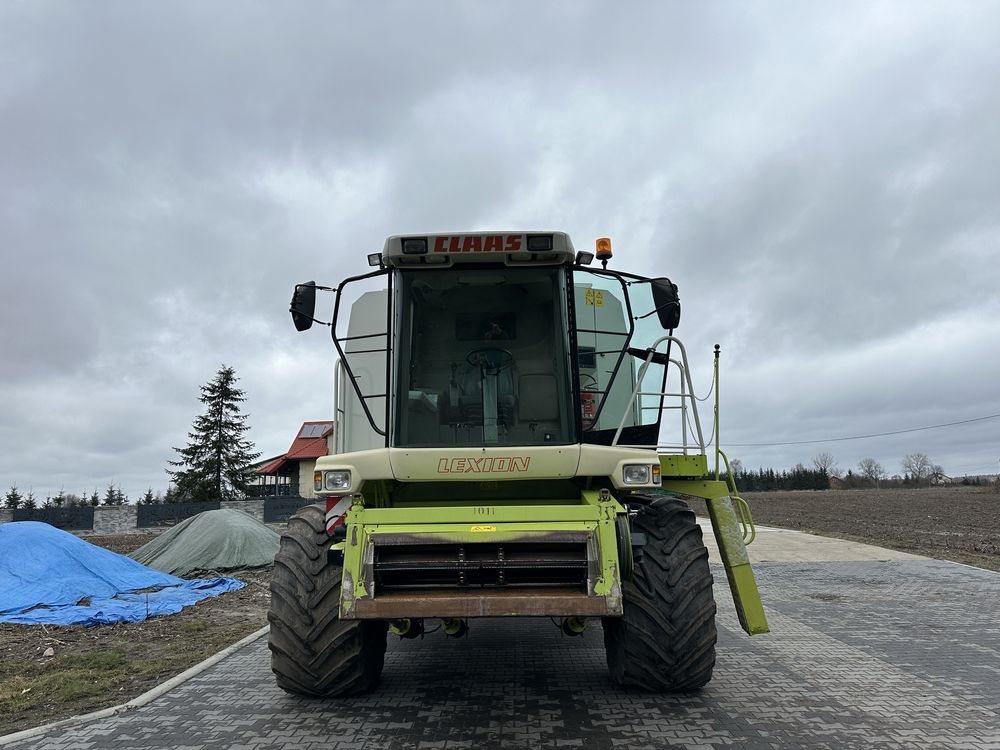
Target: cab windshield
pixel 482 358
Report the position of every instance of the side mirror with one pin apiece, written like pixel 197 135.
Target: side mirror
pixel 668 304
pixel 303 307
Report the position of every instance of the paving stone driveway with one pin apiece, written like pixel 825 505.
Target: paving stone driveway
pixel 898 654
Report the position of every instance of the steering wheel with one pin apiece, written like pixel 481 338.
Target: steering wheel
pixel 490 357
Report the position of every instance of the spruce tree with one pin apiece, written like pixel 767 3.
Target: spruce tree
pixel 13 499
pixel 215 465
pixel 113 496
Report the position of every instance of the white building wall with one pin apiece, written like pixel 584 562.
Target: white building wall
pixel 306 469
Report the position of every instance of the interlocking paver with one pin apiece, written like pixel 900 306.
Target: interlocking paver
pixel 895 654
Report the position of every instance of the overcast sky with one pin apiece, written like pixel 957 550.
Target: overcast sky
pixel 822 181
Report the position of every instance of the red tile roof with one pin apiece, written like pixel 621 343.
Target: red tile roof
pixel 271 466
pixel 310 442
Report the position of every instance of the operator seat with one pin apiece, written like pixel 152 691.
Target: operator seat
pixel 470 399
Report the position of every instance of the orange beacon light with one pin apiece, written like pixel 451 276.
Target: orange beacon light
pixel 604 250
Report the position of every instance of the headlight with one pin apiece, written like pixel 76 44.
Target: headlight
pixel 636 474
pixel 336 480
pixel 641 474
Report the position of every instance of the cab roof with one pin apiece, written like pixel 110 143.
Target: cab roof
pixel 508 247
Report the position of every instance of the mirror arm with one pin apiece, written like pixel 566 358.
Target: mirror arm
pixel 657 309
pixel 314 320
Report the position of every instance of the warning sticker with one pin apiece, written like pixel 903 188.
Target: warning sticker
pixel 595 297
pixel 481 529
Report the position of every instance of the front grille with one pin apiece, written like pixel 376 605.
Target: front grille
pixel 479 565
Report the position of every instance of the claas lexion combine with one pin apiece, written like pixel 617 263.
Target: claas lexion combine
pixel 517 435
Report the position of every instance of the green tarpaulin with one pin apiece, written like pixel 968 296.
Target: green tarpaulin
pixel 214 540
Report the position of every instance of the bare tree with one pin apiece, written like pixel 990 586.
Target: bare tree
pixel 737 466
pixel 918 466
pixel 871 470
pixel 825 462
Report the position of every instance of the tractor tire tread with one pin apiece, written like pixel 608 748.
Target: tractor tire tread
pixel 313 651
pixel 665 640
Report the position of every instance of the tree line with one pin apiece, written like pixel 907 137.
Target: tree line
pixel 917 471
pixel 113 495
pixel 768 480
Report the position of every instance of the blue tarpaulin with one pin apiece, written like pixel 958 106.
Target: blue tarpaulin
pixel 53 577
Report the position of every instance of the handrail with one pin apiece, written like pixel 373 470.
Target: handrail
pixel 339 414
pixel 686 392
pixel 683 408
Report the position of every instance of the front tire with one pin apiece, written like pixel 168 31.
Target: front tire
pixel 313 651
pixel 665 640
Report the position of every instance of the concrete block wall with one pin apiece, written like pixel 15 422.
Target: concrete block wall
pixel 115 519
pixel 6 515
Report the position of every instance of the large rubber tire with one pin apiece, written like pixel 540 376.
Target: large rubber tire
pixel 313 651
pixel 665 640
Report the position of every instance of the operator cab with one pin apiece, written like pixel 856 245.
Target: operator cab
pixel 498 339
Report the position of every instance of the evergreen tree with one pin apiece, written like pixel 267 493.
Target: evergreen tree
pixel 148 498
pixel 113 495
pixel 95 499
pixel 215 465
pixel 13 498
pixel 29 501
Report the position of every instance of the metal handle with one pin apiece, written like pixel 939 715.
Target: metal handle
pixel 746 521
pixel 740 505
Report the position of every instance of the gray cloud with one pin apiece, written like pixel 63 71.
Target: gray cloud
pixel 821 182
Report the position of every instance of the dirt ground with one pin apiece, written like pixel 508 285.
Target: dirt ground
pixel 949 523
pixel 97 667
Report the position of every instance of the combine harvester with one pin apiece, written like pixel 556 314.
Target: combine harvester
pixel 498 454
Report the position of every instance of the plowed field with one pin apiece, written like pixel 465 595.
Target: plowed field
pixel 949 523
